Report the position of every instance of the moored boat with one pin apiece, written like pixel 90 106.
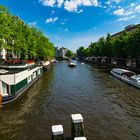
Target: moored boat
pixel 127 76
pixel 72 64
pixel 46 65
pixel 16 77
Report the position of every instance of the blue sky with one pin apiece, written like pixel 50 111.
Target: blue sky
pixel 75 23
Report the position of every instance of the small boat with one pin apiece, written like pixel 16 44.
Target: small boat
pixel 46 65
pixel 82 63
pixel 127 76
pixel 15 77
pixel 72 64
pixel 55 61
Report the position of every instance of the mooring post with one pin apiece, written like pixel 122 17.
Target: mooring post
pixel 77 126
pixel 57 132
pixel 80 138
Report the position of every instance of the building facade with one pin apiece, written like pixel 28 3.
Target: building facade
pixel 128 28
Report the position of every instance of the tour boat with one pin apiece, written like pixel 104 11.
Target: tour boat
pixel 72 64
pixel 127 76
pixel 15 77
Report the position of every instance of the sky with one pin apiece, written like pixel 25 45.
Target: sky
pixel 75 23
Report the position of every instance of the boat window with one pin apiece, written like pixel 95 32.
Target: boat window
pixel 38 71
pixel 29 79
pixel 5 89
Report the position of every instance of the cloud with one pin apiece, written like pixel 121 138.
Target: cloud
pixel 133 8
pixel 32 24
pixel 119 12
pixel 117 1
pixel 122 12
pixel 80 11
pixel 137 8
pixel 73 5
pixel 70 5
pixel 132 4
pixel 126 18
pixel 60 2
pixel 51 20
pixel 48 2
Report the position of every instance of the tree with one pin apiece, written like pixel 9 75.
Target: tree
pixel 22 39
pixel 69 54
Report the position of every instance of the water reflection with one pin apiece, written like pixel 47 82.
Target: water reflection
pixel 111 108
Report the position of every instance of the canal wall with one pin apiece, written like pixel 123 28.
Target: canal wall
pixel 129 64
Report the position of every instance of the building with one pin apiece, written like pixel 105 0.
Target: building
pixel 62 52
pixel 128 28
pixel 6 54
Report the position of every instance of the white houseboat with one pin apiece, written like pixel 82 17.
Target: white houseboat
pixel 16 77
pixel 127 76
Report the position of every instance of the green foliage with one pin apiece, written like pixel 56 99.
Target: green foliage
pixel 126 45
pixel 69 54
pixel 27 41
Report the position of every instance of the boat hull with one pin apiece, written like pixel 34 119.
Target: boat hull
pixel 126 80
pixel 72 65
pixel 9 99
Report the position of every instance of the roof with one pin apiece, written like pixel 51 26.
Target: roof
pixel 119 70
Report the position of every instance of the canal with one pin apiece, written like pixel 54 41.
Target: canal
pixel 111 108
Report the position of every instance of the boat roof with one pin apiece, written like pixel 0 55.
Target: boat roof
pixel 10 71
pixel 119 70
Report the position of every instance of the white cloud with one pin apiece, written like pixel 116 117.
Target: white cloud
pixel 137 8
pixel 73 5
pixel 51 20
pixel 108 3
pixel 132 4
pixel 119 12
pixel 122 12
pixel 126 18
pixel 70 5
pixel 60 2
pixel 32 24
pixel 80 11
pixel 117 1
pixel 48 2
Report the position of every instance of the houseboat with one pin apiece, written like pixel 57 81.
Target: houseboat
pixel 127 76
pixel 15 77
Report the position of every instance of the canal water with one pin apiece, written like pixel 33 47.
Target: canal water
pixel 111 108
